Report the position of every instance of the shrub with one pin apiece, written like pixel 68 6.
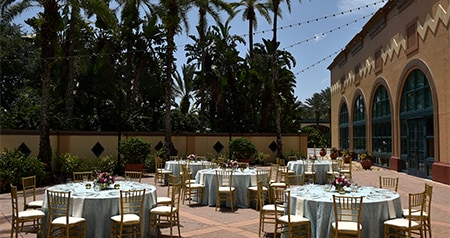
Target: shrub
pixel 134 150
pixel 65 163
pixel 106 164
pixel 14 165
pixel 242 148
pixel 150 163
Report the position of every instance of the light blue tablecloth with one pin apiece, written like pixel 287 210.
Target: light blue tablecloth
pixel 98 207
pixel 321 168
pixel 241 181
pixel 175 167
pixel 316 204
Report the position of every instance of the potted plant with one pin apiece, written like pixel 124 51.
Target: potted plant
pixel 262 158
pixel 323 152
pixel 334 153
pixel 347 156
pixel 242 150
pixel 366 160
pixel 133 152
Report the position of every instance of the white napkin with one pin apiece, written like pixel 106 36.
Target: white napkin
pixel 253 180
pixel 77 206
pixel 299 206
pixel 202 178
pixel 391 209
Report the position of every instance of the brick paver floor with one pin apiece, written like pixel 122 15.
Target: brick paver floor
pixel 204 221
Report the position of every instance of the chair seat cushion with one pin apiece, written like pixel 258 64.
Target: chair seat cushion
pixel 309 172
pixel 163 171
pixel 162 210
pixel 278 184
pixel 72 220
pixel 226 189
pixel 195 185
pixel 31 214
pixel 126 218
pixel 163 200
pixel 294 219
pixel 347 226
pixel 34 204
pixel 401 222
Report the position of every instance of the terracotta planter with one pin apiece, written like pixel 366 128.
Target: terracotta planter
pixel 322 153
pixel 134 167
pixel 366 163
pixel 347 158
pixel 334 155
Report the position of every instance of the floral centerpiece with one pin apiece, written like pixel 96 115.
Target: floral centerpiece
pixel 340 181
pixel 232 164
pixel 104 179
pixel 191 157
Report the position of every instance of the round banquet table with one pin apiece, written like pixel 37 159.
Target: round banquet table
pixel 98 207
pixel 194 166
pixel 241 181
pixel 316 204
pixel 321 167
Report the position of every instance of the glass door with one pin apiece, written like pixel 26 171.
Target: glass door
pixel 417 147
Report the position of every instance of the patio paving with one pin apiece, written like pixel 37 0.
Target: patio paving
pixel 204 221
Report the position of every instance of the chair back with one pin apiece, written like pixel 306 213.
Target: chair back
pixel 416 206
pixel 263 176
pixel 80 176
pixel 388 182
pixel 175 197
pixel 334 166
pixel 159 163
pixel 347 209
pixel 58 204
pixel 131 202
pixel 174 157
pixel 29 190
pixel 134 176
pixel 281 200
pixel 273 172
pixel 428 193
pixel 172 180
pixel 14 203
pixel 224 178
pixel 308 165
pixel 293 180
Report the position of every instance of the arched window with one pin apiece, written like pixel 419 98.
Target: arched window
pixel 417 131
pixel 359 125
pixel 343 127
pixel 381 127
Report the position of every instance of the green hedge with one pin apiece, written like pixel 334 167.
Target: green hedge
pixel 14 165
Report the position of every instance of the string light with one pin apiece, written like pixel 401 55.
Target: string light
pixel 318 19
pixel 260 32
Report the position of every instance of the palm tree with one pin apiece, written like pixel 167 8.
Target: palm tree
pixel 185 86
pixel 75 24
pixel 210 7
pixel 249 14
pixel 276 12
pixel 47 28
pixel 172 13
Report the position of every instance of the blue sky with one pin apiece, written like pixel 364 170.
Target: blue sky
pixel 314 44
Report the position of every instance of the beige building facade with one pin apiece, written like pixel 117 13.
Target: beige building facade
pixel 390 89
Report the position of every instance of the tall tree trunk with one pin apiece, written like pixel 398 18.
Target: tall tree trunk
pixel 71 44
pixel 48 34
pixel 168 100
pixel 276 82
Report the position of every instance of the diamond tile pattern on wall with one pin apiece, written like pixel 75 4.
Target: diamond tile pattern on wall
pixel 218 147
pixel 24 149
pixel 98 149
pixel 273 146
